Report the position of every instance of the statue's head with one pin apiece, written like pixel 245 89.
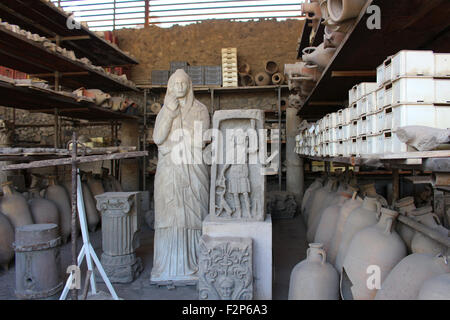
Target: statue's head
pixel 180 84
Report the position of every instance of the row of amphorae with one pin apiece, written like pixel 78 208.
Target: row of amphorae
pixel 49 205
pixel 358 250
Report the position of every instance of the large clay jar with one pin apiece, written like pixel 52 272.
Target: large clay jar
pixel 309 195
pixel 341 10
pixel 318 55
pixel 404 207
pixel 378 245
pixel 15 206
pixel 368 190
pixel 92 215
pixel 44 211
pixel 324 9
pixel 6 241
pixel 95 185
pixel 344 212
pixel 59 196
pixel 420 243
pixel 436 288
pixel 314 278
pixel 327 225
pixel 312 10
pixel 333 40
pixel 406 279
pixel 321 201
pixel 360 218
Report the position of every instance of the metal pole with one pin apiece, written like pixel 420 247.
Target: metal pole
pixel 74 207
pixel 395 185
pixel 144 166
pixel 56 129
pixel 114 16
pixel 147 13
pixel 280 171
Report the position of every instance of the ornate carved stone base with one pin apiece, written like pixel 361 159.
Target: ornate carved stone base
pixel 121 269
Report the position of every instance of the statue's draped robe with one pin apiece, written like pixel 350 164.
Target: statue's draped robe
pixel 181 194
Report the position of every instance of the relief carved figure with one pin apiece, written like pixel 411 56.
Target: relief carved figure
pixel 225 268
pixel 181 187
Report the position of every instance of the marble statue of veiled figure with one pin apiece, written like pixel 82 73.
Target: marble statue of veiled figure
pixel 181 189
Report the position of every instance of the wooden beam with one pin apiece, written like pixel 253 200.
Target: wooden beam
pixel 68 161
pixel 68 74
pixel 362 73
pixel 70 38
pixel 60 110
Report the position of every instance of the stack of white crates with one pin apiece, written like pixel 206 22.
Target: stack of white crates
pixel 412 88
pixel 229 67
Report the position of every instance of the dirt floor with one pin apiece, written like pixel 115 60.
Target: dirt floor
pixel 289 248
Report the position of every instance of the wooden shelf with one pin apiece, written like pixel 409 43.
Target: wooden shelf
pixel 45 19
pixel 45 101
pixel 219 89
pixel 19 53
pixel 405 24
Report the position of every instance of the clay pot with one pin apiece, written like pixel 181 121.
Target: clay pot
pixel 314 278
pixel 271 67
pixel 318 56
pixel 244 69
pixel 346 209
pixel 324 9
pixel 59 196
pixel 247 80
pixel 377 245
pixel 6 241
pixel 341 10
pixel 362 217
pixel 98 95
pixel 404 207
pixel 92 216
pixel 334 40
pixel 155 107
pixel 312 10
pixel 309 195
pixel 43 211
pixel 262 79
pixel 327 225
pixel 15 206
pixel 436 288
pixel 369 190
pixel 407 278
pixel 277 78
pixel 420 243
pixel 333 26
pixel 319 202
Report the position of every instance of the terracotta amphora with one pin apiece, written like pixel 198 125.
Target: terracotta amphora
pixel 408 276
pixel 378 247
pixel 6 241
pixel 42 210
pixel 420 243
pixel 328 221
pixel 404 207
pixel 318 55
pixel 345 211
pixel 341 10
pixel 436 288
pixel 314 278
pixel 92 216
pixel 309 195
pixel 360 218
pixel 59 196
pixel 15 206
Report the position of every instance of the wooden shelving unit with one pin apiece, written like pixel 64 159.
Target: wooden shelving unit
pixel 405 24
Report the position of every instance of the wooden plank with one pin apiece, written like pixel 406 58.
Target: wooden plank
pixel 68 161
pixel 366 73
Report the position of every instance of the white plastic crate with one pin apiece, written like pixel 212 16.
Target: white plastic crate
pixel 442 64
pixel 352 95
pixel 346 148
pixel 339 132
pixel 325 149
pixel 334 134
pixel 340 117
pixel 364 88
pixel 420 89
pixel 322 125
pixel 380 98
pixel 340 148
pixel 380 121
pixel 333 149
pixel 346 131
pixel 413 63
pixel 353 147
pixel 372 123
pixel 346 116
pixel 362 126
pixel 380 75
pixel 361 106
pixel 362 145
pixel 391 143
pixel 333 120
pixel 354 128
pixel 371 102
pixel 354 111
pixel 372 144
pixel 326 121
pixel 384 72
pixel 430 115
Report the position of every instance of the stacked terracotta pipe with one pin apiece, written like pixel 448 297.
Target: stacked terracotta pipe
pixel 338 16
pixel 270 75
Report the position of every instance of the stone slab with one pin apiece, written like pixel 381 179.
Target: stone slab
pixel 261 234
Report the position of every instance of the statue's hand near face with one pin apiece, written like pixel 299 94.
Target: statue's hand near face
pixel 172 103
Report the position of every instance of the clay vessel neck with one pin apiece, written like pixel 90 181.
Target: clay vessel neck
pixel 387 220
pixel 7 189
pixel 370 204
pixel 52 181
pixel 316 253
